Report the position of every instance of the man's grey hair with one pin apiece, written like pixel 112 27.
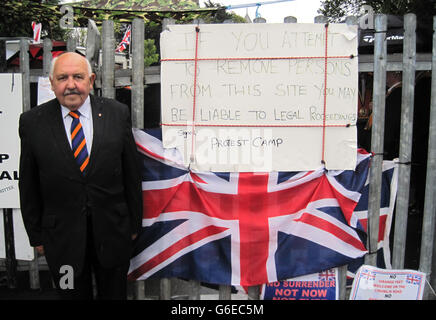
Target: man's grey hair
pixel 53 62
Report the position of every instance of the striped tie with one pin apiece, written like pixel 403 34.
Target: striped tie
pixel 78 141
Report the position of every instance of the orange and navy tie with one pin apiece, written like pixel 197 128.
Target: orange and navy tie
pixel 78 141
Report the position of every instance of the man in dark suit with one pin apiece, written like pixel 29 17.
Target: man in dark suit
pixel 80 184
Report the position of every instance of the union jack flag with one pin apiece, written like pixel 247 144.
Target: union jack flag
pixel 125 41
pixel 368 274
pixel 413 279
pixel 327 275
pixel 387 204
pixel 243 228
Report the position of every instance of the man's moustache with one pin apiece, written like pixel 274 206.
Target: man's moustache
pixel 67 93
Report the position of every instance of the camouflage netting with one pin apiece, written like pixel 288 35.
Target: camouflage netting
pixel 140 5
pixel 150 11
pixel 81 15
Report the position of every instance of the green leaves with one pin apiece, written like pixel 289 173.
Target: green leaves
pixel 17 17
pixel 150 52
pixel 337 10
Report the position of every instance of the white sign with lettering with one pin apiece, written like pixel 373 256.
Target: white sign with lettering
pixel 371 283
pixel 23 250
pixel 11 106
pixel 266 96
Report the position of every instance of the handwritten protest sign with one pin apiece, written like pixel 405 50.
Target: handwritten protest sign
pixel 260 97
pixel 371 283
pixel 10 109
pixel 317 286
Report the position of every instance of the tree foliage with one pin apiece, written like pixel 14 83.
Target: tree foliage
pixel 337 10
pixel 222 15
pixel 150 52
pixel 16 18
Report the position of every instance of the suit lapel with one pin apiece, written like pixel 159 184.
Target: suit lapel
pixel 98 123
pixel 60 137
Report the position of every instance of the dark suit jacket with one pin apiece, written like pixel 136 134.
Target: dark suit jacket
pixel 56 197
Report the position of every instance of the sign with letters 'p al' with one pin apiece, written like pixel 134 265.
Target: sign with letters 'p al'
pixel 260 97
pixel 11 106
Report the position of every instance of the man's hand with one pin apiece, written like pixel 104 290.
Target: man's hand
pixel 40 250
pixel 134 236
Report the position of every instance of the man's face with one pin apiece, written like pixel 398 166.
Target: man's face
pixel 71 81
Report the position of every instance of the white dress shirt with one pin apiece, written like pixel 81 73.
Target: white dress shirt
pixel 85 120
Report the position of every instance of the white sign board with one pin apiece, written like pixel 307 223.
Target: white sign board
pixel 45 93
pixel 23 250
pixel 11 107
pixel 259 95
pixel 371 283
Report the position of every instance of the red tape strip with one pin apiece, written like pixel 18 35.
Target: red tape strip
pixel 325 97
pixel 258 58
pixel 197 31
pixel 260 125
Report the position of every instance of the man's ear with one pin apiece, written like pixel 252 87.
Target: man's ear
pixel 91 80
pixel 51 83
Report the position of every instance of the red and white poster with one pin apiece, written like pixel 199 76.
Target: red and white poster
pixel 373 283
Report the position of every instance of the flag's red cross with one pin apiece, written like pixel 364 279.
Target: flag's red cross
pixel 368 275
pixel 413 279
pixel 253 205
